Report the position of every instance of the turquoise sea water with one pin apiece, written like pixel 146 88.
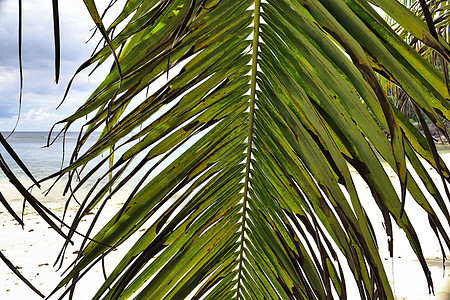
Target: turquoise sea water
pixel 41 160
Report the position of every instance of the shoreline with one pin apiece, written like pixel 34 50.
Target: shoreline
pixel 34 249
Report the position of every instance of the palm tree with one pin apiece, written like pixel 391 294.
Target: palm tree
pixel 435 15
pixel 265 107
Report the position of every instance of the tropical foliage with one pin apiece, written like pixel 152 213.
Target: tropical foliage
pixel 435 14
pixel 264 108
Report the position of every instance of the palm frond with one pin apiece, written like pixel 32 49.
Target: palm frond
pixel 273 102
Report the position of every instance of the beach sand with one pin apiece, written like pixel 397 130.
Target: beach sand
pixel 34 250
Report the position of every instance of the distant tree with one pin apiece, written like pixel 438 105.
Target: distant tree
pixel 435 14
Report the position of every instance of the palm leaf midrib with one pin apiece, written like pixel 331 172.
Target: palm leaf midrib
pixel 250 136
pixel 276 137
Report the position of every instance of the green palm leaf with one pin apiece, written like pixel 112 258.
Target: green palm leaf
pixel 273 103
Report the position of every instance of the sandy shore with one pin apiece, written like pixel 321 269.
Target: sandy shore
pixel 404 269
pixel 34 249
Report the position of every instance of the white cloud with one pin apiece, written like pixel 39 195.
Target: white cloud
pixel 36 119
pixel 8 79
pixel 40 94
pixel 41 114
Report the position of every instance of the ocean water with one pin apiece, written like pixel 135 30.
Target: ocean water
pixel 40 159
pixel 35 248
pixel 43 161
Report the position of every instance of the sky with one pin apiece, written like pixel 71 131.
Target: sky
pixel 41 95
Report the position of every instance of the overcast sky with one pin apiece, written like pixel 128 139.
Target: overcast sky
pixel 40 94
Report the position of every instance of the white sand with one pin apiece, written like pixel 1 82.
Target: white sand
pixel 404 269
pixel 35 249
